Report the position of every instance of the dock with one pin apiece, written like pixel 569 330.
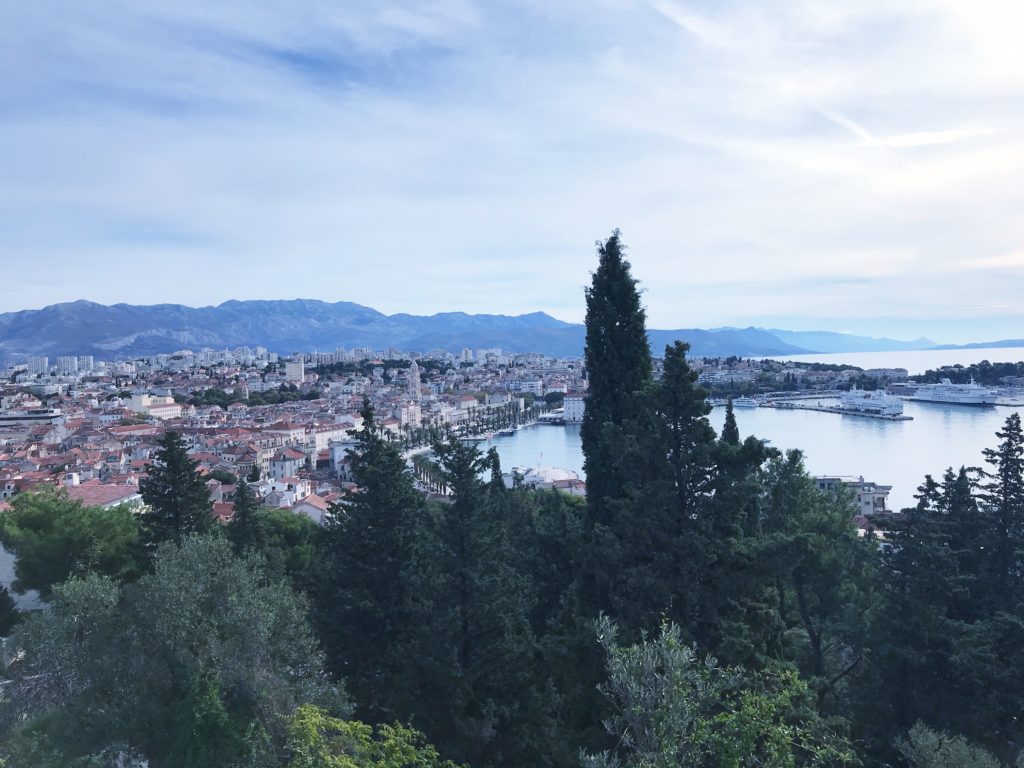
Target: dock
pixel 790 405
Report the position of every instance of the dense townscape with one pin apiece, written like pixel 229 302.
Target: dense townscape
pixel 237 559
pixel 93 427
pixel 288 422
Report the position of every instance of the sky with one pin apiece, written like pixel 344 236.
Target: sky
pixel 847 165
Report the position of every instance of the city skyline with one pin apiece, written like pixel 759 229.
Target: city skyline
pixel 843 167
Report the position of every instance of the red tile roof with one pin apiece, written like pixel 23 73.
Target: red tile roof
pixel 102 495
pixel 223 510
pixel 314 501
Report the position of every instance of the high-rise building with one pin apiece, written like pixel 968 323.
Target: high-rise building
pixel 67 365
pixel 414 381
pixel 86 363
pixel 296 371
pixel 38 364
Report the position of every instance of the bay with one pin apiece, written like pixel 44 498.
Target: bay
pixel 896 453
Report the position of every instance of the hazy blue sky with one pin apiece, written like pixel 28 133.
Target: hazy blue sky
pixel 798 163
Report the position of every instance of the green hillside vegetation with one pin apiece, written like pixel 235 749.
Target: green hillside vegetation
pixel 705 605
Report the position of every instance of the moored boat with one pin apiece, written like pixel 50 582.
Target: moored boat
pixel 947 392
pixel 872 402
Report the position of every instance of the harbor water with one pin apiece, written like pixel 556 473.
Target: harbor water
pixel 896 453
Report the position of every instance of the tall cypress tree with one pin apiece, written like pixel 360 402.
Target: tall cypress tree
pixel 618 362
pixel 651 546
pixel 178 502
pixel 730 432
pixel 244 528
pixel 618 365
pixel 686 437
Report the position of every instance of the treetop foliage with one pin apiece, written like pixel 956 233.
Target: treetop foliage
pixel 705 605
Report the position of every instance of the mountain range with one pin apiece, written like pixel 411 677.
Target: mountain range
pixel 125 330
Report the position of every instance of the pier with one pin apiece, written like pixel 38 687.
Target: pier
pixel 796 406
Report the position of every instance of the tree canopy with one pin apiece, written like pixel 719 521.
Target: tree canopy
pixel 55 538
pixel 177 500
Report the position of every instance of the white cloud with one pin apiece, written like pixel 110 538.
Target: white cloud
pixel 795 156
pixel 704 29
pixel 1013 261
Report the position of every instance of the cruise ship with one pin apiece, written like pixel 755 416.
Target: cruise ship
pixel 744 402
pixel 955 394
pixel 875 403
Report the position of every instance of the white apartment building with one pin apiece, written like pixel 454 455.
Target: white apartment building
pixel 340 451
pixel 155 407
pixel 295 372
pixel 409 415
pixel 67 365
pixel 892 374
pixel 573 407
pixel 869 498
pixel 727 376
pixel 321 436
pixel 533 386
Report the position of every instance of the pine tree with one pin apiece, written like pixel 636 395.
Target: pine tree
pixel 254 473
pixel 362 596
pixel 649 547
pixel 822 577
pixel 178 502
pixel 618 363
pixel 735 615
pixel 497 482
pixel 472 636
pixel 1002 498
pixel 965 534
pixel 914 641
pixel 244 528
pixel 686 436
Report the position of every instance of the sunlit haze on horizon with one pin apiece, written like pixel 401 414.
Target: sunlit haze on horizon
pixel 847 165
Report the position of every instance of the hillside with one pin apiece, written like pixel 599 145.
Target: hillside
pixel 125 330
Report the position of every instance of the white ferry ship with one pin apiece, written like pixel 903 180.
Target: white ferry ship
pixel 744 402
pixel 877 403
pixel 955 394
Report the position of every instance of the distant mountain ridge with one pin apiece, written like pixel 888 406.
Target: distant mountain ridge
pixel 829 341
pixel 285 326
pixel 984 344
